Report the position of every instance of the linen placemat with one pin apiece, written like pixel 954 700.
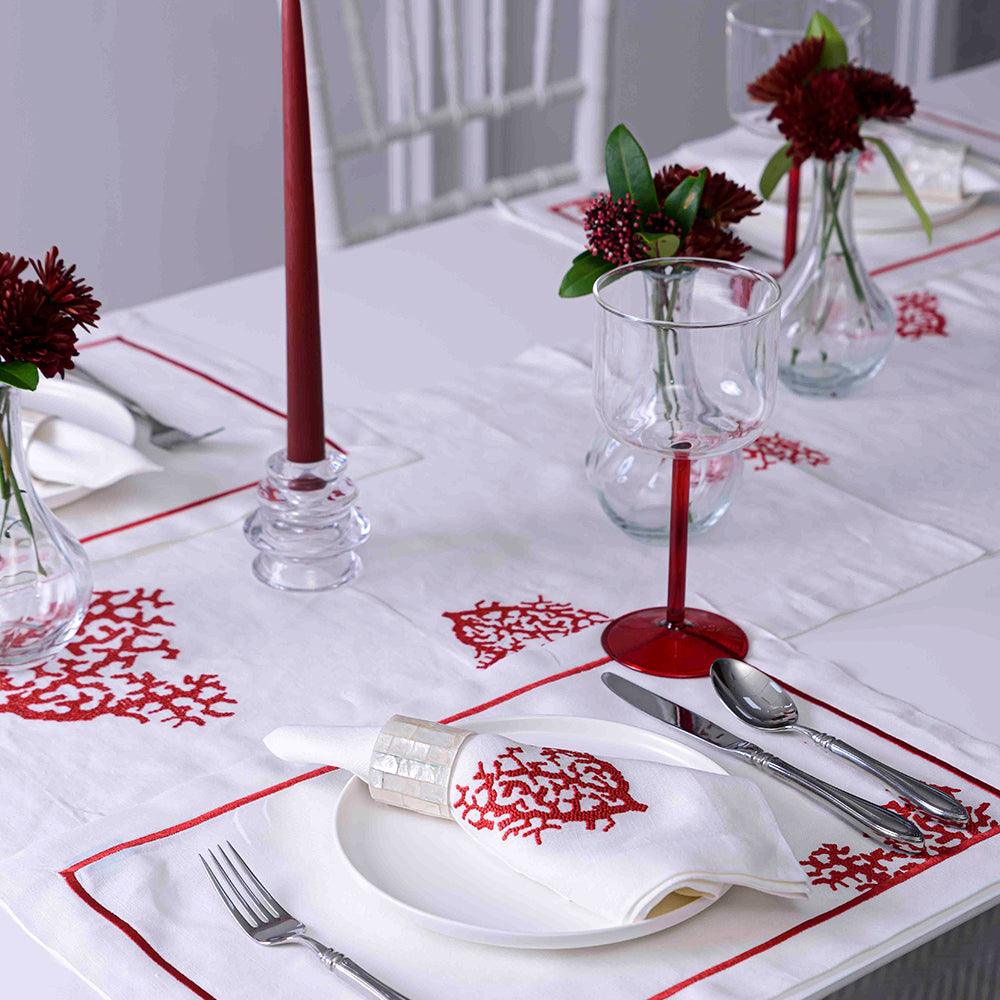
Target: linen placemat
pixel 124 900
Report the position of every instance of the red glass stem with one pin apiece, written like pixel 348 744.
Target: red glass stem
pixel 680 498
pixel 792 215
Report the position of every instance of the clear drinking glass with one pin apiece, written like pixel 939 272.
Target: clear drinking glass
pixel 685 366
pixel 758 31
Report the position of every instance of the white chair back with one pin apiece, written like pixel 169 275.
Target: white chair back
pixel 472 49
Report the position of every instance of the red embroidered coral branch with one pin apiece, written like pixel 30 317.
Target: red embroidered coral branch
pixel 918 314
pixel 769 449
pixel 98 676
pixel 523 793
pixel 838 867
pixel 495 630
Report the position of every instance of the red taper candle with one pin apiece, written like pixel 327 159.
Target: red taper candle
pixel 304 360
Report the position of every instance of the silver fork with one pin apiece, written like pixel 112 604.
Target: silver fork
pixel 264 919
pixel 163 435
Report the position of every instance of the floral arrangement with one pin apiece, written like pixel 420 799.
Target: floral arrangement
pixel 39 320
pixel 40 316
pixel 679 212
pixel 821 102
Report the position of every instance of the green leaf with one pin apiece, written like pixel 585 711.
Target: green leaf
pixel 628 169
pixel 662 244
pixel 682 203
pixel 775 169
pixel 583 272
pixel 904 183
pixel 20 374
pixel 834 47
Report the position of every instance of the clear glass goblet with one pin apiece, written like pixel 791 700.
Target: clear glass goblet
pixel 759 31
pixel 685 366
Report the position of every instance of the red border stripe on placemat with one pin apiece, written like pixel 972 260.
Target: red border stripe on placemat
pixel 959 125
pixel 135 937
pixel 819 918
pixel 212 380
pixel 940 252
pixel 69 874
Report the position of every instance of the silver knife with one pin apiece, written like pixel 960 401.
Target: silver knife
pixel 865 815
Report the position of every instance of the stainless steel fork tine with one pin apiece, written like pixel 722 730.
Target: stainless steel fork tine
pixel 257 913
pixel 233 909
pixel 280 928
pixel 269 912
pixel 275 905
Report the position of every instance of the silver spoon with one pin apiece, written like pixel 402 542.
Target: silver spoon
pixel 760 701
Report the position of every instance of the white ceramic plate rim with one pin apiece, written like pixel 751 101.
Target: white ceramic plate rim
pixel 571 725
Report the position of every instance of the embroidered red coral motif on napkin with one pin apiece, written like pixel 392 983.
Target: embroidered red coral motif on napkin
pixel 107 670
pixel 494 630
pixel 524 793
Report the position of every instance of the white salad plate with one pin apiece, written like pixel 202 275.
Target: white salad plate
pixel 434 873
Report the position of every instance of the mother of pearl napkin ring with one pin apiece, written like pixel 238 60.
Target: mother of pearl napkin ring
pixel 411 765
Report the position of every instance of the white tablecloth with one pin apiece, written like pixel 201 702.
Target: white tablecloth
pixel 494 518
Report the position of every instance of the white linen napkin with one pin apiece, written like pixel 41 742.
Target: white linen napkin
pixel 67 461
pixel 614 836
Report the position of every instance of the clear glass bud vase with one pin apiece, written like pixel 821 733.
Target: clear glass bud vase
pixel 836 325
pixel 45 580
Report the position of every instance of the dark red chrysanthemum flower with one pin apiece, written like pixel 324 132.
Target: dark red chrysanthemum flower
pixel 33 329
pixel 790 71
pixel 723 201
pixel 69 294
pixel 11 266
pixel 821 118
pixel 614 229
pixel 706 240
pixel 879 96
pixel 667 178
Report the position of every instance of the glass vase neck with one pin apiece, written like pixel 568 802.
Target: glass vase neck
pixel 831 221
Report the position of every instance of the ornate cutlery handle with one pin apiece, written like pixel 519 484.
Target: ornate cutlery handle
pixel 922 795
pixel 357 977
pixel 862 813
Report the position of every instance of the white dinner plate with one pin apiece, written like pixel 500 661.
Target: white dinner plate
pixel 87 407
pixel 437 875
pixel 873 214
pixel 892 213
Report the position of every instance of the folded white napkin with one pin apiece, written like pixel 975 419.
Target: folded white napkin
pixel 614 836
pixel 67 460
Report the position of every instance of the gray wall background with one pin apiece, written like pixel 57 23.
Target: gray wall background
pixel 143 136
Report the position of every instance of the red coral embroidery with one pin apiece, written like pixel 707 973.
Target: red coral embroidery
pixel 838 867
pixel 769 449
pixel 495 630
pixel 524 793
pixel 573 209
pixel 102 671
pixel 918 314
